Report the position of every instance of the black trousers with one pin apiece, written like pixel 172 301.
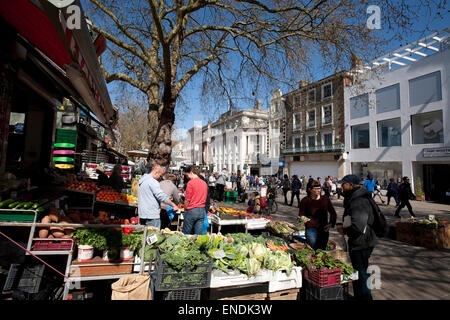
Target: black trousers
pixel 211 192
pixel 285 191
pixel 339 192
pixel 297 194
pixel 403 203
pixel 219 192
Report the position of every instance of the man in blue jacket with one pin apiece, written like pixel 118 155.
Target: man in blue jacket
pixel 150 197
pixel 369 184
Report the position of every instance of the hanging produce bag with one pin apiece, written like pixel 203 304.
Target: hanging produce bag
pixel 132 287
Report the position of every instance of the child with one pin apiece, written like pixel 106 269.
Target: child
pixel 251 203
pixel 377 191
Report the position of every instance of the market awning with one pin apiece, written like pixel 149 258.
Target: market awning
pixel 44 26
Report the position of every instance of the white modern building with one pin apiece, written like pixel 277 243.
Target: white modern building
pixel 398 117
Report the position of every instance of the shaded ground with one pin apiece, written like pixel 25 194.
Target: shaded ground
pixel 407 272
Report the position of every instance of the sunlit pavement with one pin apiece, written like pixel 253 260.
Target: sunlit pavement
pixel 407 272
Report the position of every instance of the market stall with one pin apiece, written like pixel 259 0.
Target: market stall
pixel 431 232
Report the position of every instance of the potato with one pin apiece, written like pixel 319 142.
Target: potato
pixel 43 233
pixel 51 236
pixel 46 219
pixel 58 234
pixel 67 237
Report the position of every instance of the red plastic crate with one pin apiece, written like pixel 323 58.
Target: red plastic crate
pixel 324 277
pixel 66 244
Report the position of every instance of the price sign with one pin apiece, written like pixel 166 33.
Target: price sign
pixel 219 254
pixel 152 239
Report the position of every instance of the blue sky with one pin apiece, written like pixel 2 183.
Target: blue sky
pixel 191 94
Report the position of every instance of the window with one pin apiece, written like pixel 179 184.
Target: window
pixel 297 101
pixel 311 96
pixel 257 144
pixel 311 118
pixel 297 121
pixel 328 139
pixel 359 106
pixel 389 133
pixel 360 136
pixel 427 128
pixel 327 90
pixel 425 89
pixel 297 143
pixel 388 99
pixel 311 141
pixel 327 114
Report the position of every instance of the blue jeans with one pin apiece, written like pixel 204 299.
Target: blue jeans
pixel 317 239
pixel 151 222
pixel 193 221
pixel 360 262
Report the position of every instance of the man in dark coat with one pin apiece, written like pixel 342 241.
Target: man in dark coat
pixel 296 185
pixel 405 194
pixel 392 191
pixel 358 218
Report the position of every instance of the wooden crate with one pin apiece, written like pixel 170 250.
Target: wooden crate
pixel 257 291
pixel 254 296
pixel 89 268
pixel 290 294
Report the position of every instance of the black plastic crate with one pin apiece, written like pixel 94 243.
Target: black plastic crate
pixel 187 294
pixel 169 279
pixel 27 279
pixel 312 291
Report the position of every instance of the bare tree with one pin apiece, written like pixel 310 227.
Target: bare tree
pixel 159 46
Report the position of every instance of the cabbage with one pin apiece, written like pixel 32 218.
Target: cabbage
pixel 275 260
pixel 243 250
pixel 258 251
pixel 251 267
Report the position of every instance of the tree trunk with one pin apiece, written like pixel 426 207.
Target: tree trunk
pixel 161 121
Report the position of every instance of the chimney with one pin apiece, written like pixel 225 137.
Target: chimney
pixel 258 105
pixel 303 83
pixel 356 62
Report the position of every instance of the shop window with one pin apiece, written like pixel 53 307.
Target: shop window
pixel 360 136
pixel 425 89
pixel 389 133
pixel 381 171
pixel 388 99
pixel 359 106
pixel 427 128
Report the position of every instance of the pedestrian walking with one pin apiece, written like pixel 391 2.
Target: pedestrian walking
pixel 319 180
pixel 327 187
pixel 220 184
pixel 405 194
pixel 286 185
pixel 238 183
pixel 304 181
pixel 212 185
pixel 257 182
pixel 308 186
pixel 339 190
pixel 195 202
pixel 150 197
pixel 316 208
pixel 296 185
pixel 357 221
pixel 171 190
pixel 377 191
pixel 392 191
pixel 333 187
pixel 251 180
pixel 369 184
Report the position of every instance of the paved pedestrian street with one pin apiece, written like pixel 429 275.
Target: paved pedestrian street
pixel 407 272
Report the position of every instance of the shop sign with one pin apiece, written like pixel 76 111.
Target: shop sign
pixel 436 152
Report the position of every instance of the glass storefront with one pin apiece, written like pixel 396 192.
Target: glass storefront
pixel 382 171
pixel 389 133
pixel 427 127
